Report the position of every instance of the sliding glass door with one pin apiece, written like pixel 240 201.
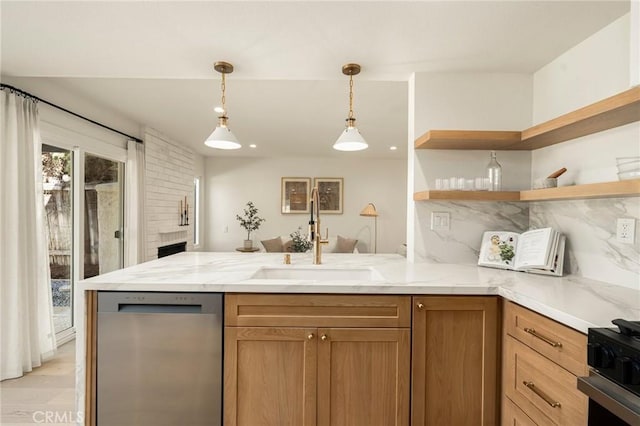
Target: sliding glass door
pixel 98 236
pixel 103 215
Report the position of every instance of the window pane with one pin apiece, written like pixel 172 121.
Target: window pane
pixel 196 211
pixel 57 185
pixel 103 233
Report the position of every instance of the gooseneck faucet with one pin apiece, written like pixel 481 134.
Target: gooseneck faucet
pixel 314 228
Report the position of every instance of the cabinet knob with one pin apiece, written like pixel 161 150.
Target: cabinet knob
pixel 324 337
pixel 420 305
pixel 310 336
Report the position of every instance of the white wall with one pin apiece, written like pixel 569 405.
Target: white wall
pixel 232 182
pixel 594 69
pixel 169 172
pixel 597 68
pixel 475 101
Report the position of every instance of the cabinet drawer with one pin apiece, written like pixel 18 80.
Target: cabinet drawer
pixel 542 388
pixel 310 310
pixel 562 345
pixel 512 415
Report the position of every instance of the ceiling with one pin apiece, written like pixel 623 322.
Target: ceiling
pixel 152 61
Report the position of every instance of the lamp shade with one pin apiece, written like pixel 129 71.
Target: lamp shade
pixel 350 140
pixel 222 138
pixel 369 210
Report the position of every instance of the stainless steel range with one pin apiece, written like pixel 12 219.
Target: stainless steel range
pixel 613 385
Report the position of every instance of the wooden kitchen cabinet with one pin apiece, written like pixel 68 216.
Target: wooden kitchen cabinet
pixel 332 374
pixel 454 361
pixel 540 362
pixel 363 377
pixel 270 376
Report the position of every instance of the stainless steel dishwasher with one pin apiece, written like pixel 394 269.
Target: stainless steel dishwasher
pixel 159 359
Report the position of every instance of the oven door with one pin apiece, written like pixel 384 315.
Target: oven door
pixel 609 403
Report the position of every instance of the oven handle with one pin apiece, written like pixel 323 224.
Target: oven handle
pixel 548 341
pixel 617 400
pixel 544 396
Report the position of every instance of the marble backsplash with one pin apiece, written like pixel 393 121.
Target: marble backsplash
pixel 590 227
pixel 469 220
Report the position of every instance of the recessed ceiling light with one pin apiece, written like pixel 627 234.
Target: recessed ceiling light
pixel 253 145
pixel 393 148
pixel 219 110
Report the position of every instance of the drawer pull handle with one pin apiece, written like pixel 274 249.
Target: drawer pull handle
pixel 545 398
pixel 324 337
pixel 548 341
pixel 420 305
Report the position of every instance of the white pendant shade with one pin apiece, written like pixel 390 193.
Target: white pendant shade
pixel 350 140
pixel 222 138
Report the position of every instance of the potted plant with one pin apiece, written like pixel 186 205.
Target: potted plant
pixel 300 244
pixel 250 221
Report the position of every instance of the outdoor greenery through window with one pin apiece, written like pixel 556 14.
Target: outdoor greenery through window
pixel 58 198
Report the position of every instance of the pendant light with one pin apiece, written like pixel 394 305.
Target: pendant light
pixel 350 139
pixel 222 138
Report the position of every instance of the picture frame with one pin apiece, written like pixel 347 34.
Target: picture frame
pixel 294 195
pixel 331 194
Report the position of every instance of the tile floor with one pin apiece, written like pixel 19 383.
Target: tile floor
pixel 44 396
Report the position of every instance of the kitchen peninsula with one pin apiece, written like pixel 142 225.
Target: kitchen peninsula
pixel 410 289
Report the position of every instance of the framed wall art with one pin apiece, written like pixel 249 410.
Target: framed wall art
pixel 294 195
pixel 331 194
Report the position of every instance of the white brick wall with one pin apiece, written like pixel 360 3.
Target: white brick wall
pixel 169 172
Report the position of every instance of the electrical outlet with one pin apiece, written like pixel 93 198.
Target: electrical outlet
pixel 440 221
pixel 626 230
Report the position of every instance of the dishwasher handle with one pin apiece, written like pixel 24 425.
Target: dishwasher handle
pixel 158 302
pixel 159 309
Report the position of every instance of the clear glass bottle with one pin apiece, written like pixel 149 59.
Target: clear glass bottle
pixel 494 173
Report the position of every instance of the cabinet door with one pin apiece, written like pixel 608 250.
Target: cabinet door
pixel 363 377
pixel 270 376
pixel 454 361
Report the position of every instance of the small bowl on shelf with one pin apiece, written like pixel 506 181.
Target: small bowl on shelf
pixel 543 183
pixel 628 167
pixel 632 174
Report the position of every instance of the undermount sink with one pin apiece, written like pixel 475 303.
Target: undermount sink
pixel 317 274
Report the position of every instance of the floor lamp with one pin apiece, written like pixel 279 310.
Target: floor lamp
pixel 370 211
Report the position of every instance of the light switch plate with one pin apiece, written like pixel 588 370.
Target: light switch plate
pixel 626 230
pixel 440 221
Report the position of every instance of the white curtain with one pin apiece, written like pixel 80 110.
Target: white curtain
pixel 134 205
pixel 27 333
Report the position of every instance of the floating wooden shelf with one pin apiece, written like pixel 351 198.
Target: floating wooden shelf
pixel 469 139
pixel 623 188
pixel 467 195
pixel 617 110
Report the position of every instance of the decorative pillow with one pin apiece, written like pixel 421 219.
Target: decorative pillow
pixel 273 246
pixel 287 246
pixel 345 245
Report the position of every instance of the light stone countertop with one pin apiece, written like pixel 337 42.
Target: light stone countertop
pixel 576 302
